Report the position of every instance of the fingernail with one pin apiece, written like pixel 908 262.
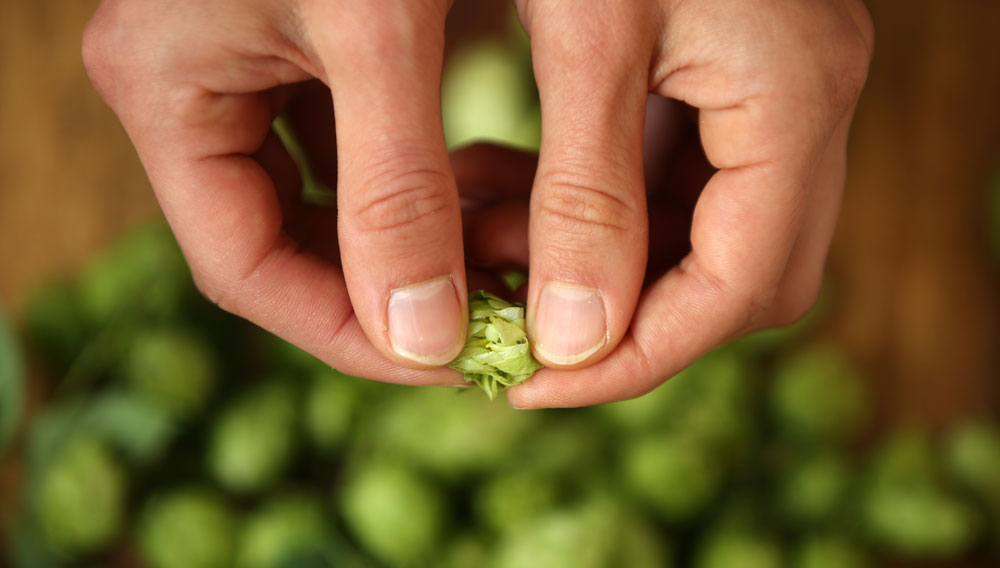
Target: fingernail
pixel 570 324
pixel 425 323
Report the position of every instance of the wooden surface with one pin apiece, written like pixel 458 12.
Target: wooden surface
pixel 916 290
pixel 915 295
pixel 69 179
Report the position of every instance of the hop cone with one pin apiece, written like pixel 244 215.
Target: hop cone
pixel 496 355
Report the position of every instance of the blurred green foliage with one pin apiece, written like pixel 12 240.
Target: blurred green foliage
pixel 739 546
pixel 395 513
pixel 172 367
pixel 288 530
pixel 189 438
pixel 489 93
pixel 189 527
pixel 11 382
pixel 252 439
pixel 907 507
pixel 829 551
pixel 816 397
pixel 81 497
pixel 186 425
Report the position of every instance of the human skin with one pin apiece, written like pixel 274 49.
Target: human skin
pixel 378 288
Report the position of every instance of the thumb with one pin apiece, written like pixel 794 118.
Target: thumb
pixel 588 229
pixel 399 220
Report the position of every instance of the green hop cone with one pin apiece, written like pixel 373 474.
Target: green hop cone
pixel 739 546
pixel 507 502
pixel 829 551
pixel 813 490
pixel 488 93
pixel 674 474
pixel 289 530
pixel 598 532
pixel 81 497
pixel 174 368
pixel 972 457
pixel 907 510
pixel 428 428
pixel 187 528
pixel 394 513
pixel 496 355
pixel 253 440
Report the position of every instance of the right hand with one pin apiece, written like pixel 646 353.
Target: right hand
pixel 376 288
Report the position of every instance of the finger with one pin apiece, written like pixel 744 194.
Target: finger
pixel 803 278
pixel 399 216
pixel 588 227
pixel 196 144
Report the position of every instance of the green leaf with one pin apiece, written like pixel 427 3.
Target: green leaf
pixel 496 354
pixel 11 382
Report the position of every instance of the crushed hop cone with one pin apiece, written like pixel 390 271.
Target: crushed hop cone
pixel 496 354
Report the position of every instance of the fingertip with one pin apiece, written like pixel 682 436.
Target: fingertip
pixel 570 324
pixel 521 396
pixel 426 323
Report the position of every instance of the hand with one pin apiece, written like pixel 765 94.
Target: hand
pixel 197 83
pixel 774 84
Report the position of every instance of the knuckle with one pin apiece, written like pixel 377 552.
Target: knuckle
pixel 757 301
pixel 579 41
pixel 580 207
pixel 209 286
pixel 115 47
pixel 222 289
pixel 752 301
pixel 843 62
pixel 850 72
pixel 865 25
pixel 404 201
pixel 376 32
pixel 794 303
pixel 826 75
pixel 98 49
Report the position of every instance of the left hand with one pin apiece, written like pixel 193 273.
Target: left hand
pixel 774 83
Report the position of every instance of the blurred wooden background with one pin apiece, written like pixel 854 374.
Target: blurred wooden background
pixel 914 291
